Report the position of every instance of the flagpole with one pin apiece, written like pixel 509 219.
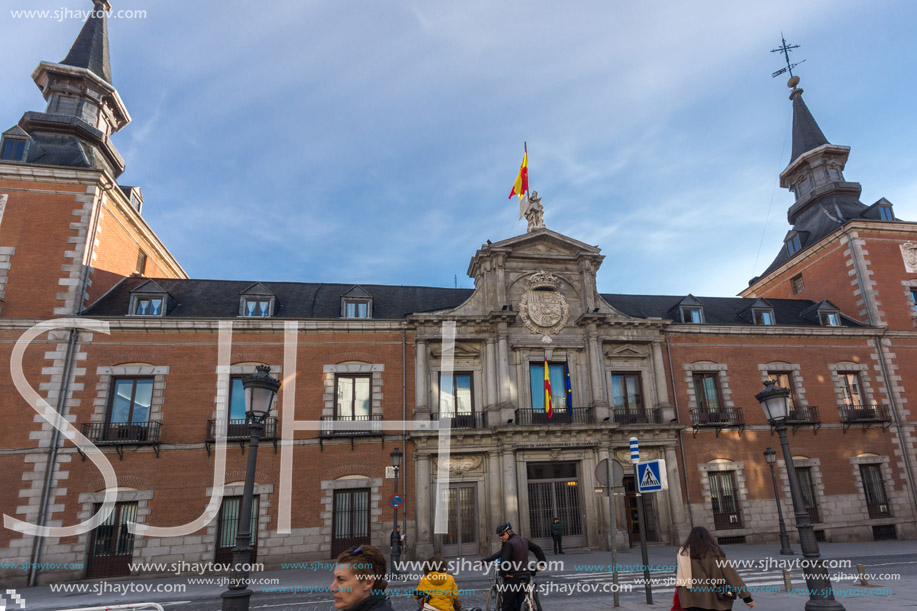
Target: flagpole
pixel 526 147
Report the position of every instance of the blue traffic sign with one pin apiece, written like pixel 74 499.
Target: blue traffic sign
pixel 396 500
pixel 651 476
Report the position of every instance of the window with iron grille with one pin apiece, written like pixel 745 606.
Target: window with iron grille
pixel 804 475
pixel 874 490
pixel 798 284
pixel 228 525
pixel 725 500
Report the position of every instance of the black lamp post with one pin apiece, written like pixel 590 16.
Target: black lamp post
pixel 396 536
pixel 771 457
pixel 774 402
pixel 260 390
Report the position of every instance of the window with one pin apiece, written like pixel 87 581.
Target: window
pixel 455 395
pixel 725 500
pixel 350 519
pixel 558 393
pixel 228 528
pixel 913 294
pixel 793 244
pixel 874 489
pixel 67 105
pixel 136 202
pixel 148 306
pixel 256 307
pixel 692 315
pixel 13 149
pixel 885 213
pixel 141 263
pixel 784 380
pixel 353 397
pixel 706 392
pixel 627 398
pixel 112 546
pixel 129 410
pixel 356 309
pixel 798 284
pixel 829 318
pixel 763 317
pixel 850 384
pixel 804 474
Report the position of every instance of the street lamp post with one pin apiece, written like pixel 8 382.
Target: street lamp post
pixel 771 457
pixel 396 536
pixel 773 400
pixel 260 390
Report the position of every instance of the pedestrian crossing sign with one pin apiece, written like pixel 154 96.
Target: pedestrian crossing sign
pixel 651 476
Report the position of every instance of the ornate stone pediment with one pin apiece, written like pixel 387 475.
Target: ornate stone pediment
pixel 543 308
pixel 627 351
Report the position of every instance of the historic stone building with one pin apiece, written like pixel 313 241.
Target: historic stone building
pixel 146 363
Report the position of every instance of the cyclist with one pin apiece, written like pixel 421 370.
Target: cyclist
pixel 514 565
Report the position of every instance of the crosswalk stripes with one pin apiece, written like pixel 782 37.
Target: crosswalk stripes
pixel 751 577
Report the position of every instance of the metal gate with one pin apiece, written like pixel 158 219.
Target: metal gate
pixel 351 520
pixel 462 538
pixel 555 492
pixel 633 516
pixel 228 529
pixel 112 546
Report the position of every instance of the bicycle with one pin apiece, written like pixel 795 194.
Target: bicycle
pixel 530 602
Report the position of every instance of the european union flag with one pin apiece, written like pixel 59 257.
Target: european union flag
pixel 567 386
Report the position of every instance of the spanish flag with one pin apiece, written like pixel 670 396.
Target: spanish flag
pixel 522 180
pixel 548 408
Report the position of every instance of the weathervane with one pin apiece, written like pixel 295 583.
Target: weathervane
pixel 785 49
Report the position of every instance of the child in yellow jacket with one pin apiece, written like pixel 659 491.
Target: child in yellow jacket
pixel 438 586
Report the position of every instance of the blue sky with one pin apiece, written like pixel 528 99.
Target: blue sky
pixel 362 141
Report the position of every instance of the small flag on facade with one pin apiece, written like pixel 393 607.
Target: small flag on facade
pixel 548 407
pixel 567 386
pixel 522 180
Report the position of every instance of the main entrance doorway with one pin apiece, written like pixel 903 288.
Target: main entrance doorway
pixel 462 538
pixel 555 492
pixel 633 516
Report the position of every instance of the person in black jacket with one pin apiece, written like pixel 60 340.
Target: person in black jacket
pixel 514 564
pixel 359 580
pixel 557 534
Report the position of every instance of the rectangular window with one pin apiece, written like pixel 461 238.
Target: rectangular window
pixel 798 284
pixel 130 401
pixel 785 380
pixel 356 309
pixel 149 306
pixel 350 519
pixel 874 489
pixel 141 263
pixel 829 319
pixel 693 316
pixel 258 308
pixel 804 474
pixel 725 500
pixel 626 397
pixel 793 245
pixel 885 213
pixel 913 293
pixel 706 392
pixel 764 317
pixel 228 528
pixel 455 395
pixel 13 149
pixel 353 397
pixel 112 547
pixel 850 384
pixel 558 394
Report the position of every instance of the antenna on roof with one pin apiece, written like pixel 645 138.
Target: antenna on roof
pixel 456 280
pixel 785 49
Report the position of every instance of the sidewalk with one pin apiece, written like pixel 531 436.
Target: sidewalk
pixel 903 591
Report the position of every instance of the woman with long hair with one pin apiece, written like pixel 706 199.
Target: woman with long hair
pixel 706 580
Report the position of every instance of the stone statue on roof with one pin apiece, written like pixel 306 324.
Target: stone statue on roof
pixel 533 211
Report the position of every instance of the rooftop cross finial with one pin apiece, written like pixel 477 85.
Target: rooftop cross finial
pixel 785 49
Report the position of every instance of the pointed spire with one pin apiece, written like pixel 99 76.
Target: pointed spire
pixel 807 135
pixel 90 50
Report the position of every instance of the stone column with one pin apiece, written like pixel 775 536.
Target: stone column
pixel 510 491
pixel 596 365
pixel 504 379
pixel 422 480
pixel 662 387
pixel 421 377
pixel 490 374
pixel 495 494
pixel 681 526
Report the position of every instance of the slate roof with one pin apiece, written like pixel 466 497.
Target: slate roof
pixel 717 310
pixel 807 135
pixel 90 50
pixel 299 300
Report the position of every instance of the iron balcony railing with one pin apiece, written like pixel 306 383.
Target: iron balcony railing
pixel 803 414
pixel 239 430
pixel 638 416
pixel 122 433
pixel 878 510
pixel 561 415
pixel 350 426
pixel 865 413
pixel 725 416
pixel 727 520
pixel 461 421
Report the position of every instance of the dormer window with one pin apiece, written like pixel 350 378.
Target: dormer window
pixel 793 244
pixel 356 309
pixel 257 301
pixel 886 214
pixel 829 318
pixel 692 315
pixel 148 306
pixel 13 149
pixel 258 307
pixel 763 316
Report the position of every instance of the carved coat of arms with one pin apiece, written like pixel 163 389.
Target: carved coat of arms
pixel 543 309
pixel 909 253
